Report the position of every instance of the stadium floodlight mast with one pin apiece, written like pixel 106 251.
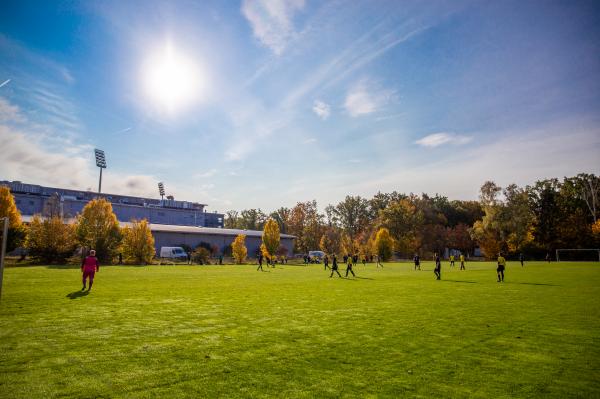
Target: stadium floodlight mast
pixel 161 190
pixel 3 249
pixel 101 163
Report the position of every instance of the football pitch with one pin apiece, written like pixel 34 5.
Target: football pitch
pixel 291 331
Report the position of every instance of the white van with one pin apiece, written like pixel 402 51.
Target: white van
pixel 173 253
pixel 316 256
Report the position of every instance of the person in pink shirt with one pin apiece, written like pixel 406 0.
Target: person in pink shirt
pixel 89 267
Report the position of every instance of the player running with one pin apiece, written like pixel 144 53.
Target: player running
pixel 438 267
pixel 326 262
pixel 379 261
pixel 417 261
pixel 349 266
pixel 260 260
pixel 334 267
pixel 501 267
pixel 89 267
pixel 462 262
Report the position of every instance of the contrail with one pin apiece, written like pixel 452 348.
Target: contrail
pixel 5 82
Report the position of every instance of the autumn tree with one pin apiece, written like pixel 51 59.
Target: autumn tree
pixel 98 228
pixel 238 248
pixel 353 215
pixel 270 237
pixel 138 243
pixel 330 241
pixel 384 244
pixel 50 240
pixel 282 216
pixel 16 230
pixel 403 221
pixel 306 224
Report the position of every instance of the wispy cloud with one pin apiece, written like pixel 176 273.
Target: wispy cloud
pixel 437 139
pixel 127 129
pixel 365 97
pixel 272 21
pixel 323 110
pixel 204 175
pixel 310 141
pixel 7 81
pixel 10 112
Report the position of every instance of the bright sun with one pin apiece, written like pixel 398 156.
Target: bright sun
pixel 172 80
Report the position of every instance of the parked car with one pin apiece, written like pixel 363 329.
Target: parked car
pixel 176 254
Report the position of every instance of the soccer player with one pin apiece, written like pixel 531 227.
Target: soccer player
pixel 364 260
pixel 417 261
pixel 462 262
pixel 521 259
pixel 451 260
pixel 334 267
pixel 326 262
pixel 501 267
pixel 438 267
pixel 349 266
pixel 379 262
pixel 260 259
pixel 89 267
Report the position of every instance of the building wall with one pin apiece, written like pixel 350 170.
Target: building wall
pixel 170 239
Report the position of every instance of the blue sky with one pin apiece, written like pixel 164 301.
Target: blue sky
pixel 272 102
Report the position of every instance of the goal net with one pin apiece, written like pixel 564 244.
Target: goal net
pixel 574 255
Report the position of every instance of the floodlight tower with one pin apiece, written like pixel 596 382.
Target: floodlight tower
pixel 161 190
pixel 101 163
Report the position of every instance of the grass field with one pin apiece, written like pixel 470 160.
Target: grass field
pixel 230 331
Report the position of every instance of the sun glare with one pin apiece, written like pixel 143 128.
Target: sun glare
pixel 172 80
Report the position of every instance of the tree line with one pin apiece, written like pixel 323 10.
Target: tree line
pixel 533 220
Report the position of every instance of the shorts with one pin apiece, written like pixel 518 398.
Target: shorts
pixel 500 268
pixel 89 273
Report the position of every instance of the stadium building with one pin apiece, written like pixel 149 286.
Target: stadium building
pixel 172 222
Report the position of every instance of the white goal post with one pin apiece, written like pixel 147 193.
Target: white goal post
pixel 592 250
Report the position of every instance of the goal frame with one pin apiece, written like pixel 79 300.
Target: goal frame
pixel 578 249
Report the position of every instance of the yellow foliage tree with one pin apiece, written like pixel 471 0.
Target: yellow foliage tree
pixel 50 240
pixel 8 208
pixel 384 244
pixel 138 243
pixel 270 237
pixel 98 228
pixel 238 248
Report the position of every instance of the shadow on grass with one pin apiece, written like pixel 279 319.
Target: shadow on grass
pixel 461 281
pixel 365 278
pixel 544 284
pixel 77 294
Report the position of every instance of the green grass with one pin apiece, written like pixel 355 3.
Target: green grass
pixel 229 331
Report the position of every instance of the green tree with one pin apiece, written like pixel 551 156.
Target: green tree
pixel 98 228
pixel 138 243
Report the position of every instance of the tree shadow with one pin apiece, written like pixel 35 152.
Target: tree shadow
pixel 77 294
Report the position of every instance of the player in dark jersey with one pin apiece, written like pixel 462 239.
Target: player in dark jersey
pixel 417 261
pixel 334 267
pixel 438 267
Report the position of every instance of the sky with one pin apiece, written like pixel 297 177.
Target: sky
pixel 265 103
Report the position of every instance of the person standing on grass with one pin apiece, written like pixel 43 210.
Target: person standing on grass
pixel 379 262
pixel 334 267
pixel 417 261
pixel 89 267
pixel 501 267
pixel 462 262
pixel 548 257
pixel 438 267
pixel 364 260
pixel 326 262
pixel 260 260
pixel 349 266
pixel 451 260
pixel 521 259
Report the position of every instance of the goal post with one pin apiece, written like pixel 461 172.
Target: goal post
pixel 578 254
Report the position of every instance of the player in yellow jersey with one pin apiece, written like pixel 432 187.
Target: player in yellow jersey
pixel 462 262
pixel 451 260
pixel 501 267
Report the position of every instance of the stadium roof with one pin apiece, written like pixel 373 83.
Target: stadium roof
pixel 171 228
